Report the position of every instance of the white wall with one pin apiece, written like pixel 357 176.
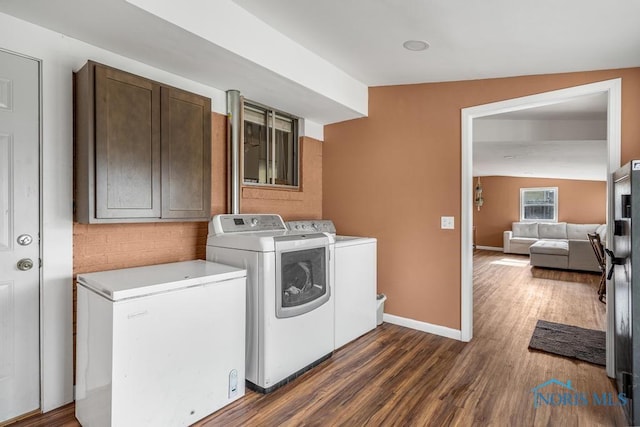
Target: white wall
pixel 61 56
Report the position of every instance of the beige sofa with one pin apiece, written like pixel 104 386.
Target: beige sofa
pixel 554 245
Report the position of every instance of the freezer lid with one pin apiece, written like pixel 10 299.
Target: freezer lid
pixel 142 281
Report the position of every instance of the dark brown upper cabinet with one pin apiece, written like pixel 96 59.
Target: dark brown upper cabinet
pixel 186 161
pixel 143 149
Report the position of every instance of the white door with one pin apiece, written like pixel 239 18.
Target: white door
pixel 19 236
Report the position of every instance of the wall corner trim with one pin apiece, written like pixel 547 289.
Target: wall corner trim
pixel 442 331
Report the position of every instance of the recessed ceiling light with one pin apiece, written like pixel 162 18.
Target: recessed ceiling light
pixel 509 157
pixel 416 45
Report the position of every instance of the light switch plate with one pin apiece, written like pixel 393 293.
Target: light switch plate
pixel 446 223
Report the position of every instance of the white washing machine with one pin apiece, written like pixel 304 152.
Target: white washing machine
pixel 355 280
pixel 290 312
pixel 161 345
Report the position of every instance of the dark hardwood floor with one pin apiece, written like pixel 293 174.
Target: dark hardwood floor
pixel 396 376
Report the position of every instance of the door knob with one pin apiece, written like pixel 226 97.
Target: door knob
pixel 25 264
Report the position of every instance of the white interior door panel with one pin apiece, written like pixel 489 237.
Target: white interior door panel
pixel 19 236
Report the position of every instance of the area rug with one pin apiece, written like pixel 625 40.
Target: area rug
pixel 569 341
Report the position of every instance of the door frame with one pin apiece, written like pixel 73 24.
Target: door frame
pixel 613 89
pixel 41 225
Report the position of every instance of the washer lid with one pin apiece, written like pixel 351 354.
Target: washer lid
pixel 136 282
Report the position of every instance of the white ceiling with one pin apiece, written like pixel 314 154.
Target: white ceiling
pixel 469 39
pixel 352 44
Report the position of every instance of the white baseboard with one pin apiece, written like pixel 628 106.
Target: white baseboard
pixel 423 326
pixel 490 248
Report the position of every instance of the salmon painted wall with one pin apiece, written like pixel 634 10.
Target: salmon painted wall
pixel 580 202
pixel 393 174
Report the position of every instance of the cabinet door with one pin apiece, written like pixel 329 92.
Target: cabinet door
pixel 127 117
pixel 186 155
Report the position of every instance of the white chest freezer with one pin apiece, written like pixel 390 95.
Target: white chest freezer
pixel 160 345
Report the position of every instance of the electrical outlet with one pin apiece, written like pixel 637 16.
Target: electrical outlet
pixel 446 223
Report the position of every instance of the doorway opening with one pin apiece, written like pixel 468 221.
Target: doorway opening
pixel 612 89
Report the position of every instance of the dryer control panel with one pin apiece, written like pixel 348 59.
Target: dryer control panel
pixel 317 225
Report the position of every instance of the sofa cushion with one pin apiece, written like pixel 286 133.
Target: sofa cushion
pixel 525 229
pixel 550 247
pixel 580 231
pixel 552 230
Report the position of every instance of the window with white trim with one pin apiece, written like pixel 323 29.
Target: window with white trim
pixel 270 147
pixel 539 204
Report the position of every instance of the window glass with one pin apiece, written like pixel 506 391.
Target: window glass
pixel 270 147
pixel 539 204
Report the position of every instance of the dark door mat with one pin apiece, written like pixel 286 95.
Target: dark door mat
pixel 570 341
